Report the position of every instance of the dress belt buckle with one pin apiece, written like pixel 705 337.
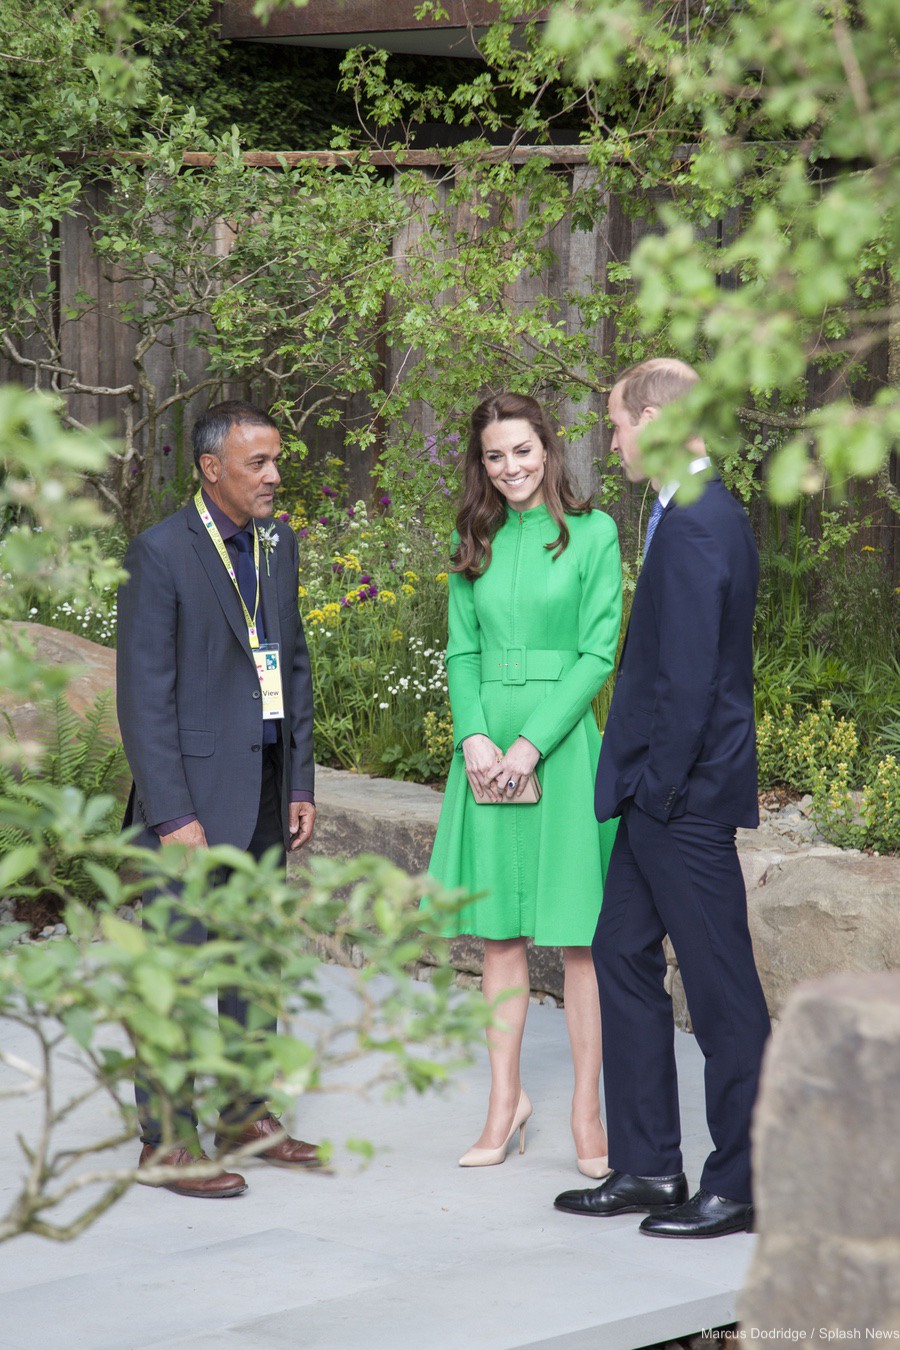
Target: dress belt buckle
pixel 514 665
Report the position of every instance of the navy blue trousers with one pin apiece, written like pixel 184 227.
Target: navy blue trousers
pixel 268 832
pixel 682 878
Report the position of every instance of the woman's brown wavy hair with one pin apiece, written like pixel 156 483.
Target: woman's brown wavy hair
pixel 483 509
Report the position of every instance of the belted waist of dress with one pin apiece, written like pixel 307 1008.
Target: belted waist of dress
pixel 516 665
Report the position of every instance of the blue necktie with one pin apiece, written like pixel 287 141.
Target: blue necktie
pixel 246 573
pixel 655 518
pixel 246 580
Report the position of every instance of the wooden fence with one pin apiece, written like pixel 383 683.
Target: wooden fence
pixel 100 345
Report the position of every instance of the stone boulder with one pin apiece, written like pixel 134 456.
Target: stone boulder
pixel 813 912
pixel 94 673
pixel 814 915
pixel 827 1263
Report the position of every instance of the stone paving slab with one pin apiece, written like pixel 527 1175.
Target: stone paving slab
pixel 408 1251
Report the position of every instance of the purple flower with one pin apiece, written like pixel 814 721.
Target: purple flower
pixel 285 517
pixel 167 449
pixel 351 511
pixel 344 600
pixel 134 470
pixel 338 568
pixel 384 501
pixel 364 579
pixel 328 492
pixel 323 520
pixel 392 566
pixel 372 591
pixel 303 534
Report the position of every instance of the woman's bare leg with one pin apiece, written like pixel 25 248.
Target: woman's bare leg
pixel 505 967
pixel 583 1025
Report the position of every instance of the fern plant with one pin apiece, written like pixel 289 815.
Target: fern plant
pixel 82 760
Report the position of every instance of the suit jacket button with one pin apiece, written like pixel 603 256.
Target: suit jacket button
pixel 256 693
pixel 254 748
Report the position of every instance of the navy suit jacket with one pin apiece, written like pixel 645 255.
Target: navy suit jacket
pixel 188 693
pixel 680 734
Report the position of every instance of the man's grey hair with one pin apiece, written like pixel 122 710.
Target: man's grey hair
pixel 210 431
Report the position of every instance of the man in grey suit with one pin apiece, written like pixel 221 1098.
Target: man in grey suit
pixel 215 707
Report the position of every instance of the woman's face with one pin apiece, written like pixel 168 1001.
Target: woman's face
pixel 515 458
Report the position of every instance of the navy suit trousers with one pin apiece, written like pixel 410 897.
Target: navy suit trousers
pixel 682 878
pixel 267 834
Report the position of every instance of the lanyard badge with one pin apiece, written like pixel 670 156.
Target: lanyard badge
pixel 267 655
pixel 218 542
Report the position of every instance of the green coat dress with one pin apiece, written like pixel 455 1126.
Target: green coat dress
pixel 530 644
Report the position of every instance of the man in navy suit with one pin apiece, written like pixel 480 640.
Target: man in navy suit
pixel 678 764
pixel 208 613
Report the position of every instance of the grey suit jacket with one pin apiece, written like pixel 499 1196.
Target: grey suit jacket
pixel 188 693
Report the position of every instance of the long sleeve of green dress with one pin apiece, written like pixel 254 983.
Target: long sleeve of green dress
pixel 463 659
pixel 530 644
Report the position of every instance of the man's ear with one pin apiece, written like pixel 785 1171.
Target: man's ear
pixel 211 467
pixel 649 413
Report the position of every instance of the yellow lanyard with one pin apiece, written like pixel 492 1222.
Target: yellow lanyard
pixel 222 551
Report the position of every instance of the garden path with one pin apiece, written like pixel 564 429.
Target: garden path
pixel 408 1251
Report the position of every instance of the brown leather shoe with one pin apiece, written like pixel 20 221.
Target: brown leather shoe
pixel 287 1152
pixel 200 1188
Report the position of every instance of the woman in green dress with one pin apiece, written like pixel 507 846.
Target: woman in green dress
pixel 535 608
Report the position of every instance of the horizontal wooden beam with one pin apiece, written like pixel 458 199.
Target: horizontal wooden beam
pixel 333 159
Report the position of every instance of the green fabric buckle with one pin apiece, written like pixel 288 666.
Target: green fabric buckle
pixel 514 665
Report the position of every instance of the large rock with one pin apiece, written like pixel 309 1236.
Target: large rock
pixel 827 1264
pixel 814 914
pixel 93 672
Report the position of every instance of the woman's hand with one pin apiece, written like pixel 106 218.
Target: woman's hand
pixel 514 767
pixel 481 756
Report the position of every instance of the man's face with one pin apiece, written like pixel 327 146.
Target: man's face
pixel 625 436
pixel 244 480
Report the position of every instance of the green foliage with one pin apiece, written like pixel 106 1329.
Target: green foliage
pixel 769 93
pixel 53 547
pixel 80 760
pixel 288 300
pixel 373 595
pixel 797 749
pixel 866 819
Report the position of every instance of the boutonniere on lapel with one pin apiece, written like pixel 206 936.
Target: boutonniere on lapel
pixel 268 540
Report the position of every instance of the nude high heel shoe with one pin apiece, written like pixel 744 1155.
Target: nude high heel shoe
pixel 594 1167
pixel 489 1157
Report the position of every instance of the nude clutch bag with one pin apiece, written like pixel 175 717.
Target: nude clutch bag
pixel 531 794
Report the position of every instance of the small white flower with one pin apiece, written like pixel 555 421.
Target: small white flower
pixel 268 539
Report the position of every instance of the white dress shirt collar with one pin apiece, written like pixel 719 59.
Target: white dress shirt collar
pixel 668 490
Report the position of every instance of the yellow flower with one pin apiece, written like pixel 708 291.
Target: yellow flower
pixel 387 597
pixel 331 610
pixel 350 597
pixel 410 576
pixel 396 635
pixel 352 562
pixel 442 578
pixel 315 616
pixel 867 548
pixel 303 592
pixel 406 589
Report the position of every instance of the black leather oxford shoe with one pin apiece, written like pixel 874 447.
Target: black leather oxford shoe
pixel 704 1216
pixel 622 1193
